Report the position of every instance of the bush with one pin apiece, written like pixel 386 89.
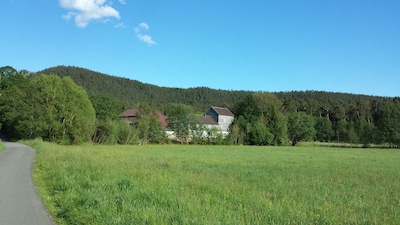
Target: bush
pixel 126 134
pixel 106 132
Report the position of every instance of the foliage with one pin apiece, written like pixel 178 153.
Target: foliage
pixel 148 126
pixel 180 116
pixel 323 129
pixel 106 107
pixel 300 127
pixel 213 136
pixel 350 117
pixel 200 134
pixel 106 132
pixel 2 147
pixel 126 134
pixel 260 121
pixel 367 133
pixel 169 184
pixel 45 106
pixel 77 113
pixel 389 124
pixel 248 109
pixel 236 135
pixel 130 92
pixel 271 108
pixel 260 135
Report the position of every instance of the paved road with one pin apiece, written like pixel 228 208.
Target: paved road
pixel 19 202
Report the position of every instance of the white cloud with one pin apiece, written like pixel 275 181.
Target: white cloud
pixel 86 10
pixel 123 2
pixel 144 26
pixel 68 15
pixel 146 39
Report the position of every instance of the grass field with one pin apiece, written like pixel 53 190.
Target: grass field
pixel 174 184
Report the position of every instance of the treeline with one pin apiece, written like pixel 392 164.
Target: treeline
pixel 264 119
pixel 50 106
pixel 337 117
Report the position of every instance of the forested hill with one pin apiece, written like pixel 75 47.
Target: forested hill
pixel 129 91
pixel 317 103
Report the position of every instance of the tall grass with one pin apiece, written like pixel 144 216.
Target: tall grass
pixel 2 146
pixel 175 184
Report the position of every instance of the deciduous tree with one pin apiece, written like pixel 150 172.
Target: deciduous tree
pixel 178 116
pixel 300 127
pixel 46 106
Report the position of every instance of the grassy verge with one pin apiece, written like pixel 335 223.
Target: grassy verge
pixel 2 147
pixel 175 184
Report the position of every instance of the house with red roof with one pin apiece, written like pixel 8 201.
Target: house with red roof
pixel 130 116
pixel 215 117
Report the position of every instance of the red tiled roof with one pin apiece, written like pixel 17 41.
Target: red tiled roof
pixel 130 113
pixel 162 119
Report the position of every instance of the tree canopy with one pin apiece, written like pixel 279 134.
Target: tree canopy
pixel 45 106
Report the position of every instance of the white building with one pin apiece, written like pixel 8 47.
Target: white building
pixel 218 117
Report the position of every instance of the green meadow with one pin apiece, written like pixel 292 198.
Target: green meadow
pixel 189 184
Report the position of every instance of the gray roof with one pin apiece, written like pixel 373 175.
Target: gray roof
pixel 222 111
pixel 206 119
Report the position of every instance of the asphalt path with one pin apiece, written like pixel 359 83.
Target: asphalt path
pixel 19 202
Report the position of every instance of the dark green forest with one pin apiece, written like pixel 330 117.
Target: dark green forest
pixel 261 118
pixel 129 92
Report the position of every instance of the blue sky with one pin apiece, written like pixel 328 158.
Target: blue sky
pixel 350 46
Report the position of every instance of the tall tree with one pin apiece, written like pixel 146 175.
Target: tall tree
pixel 389 124
pixel 15 103
pixel 260 135
pixel 239 131
pixel 300 127
pixel 46 106
pixel 248 109
pixel 366 133
pixel 323 129
pixel 271 116
pixel 179 119
pixel 106 106
pixel 147 124
pixel 77 113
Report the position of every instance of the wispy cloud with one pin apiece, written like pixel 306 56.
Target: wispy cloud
pixel 143 37
pixel 86 10
pixel 146 39
pixel 120 25
pixel 144 26
pixel 123 2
